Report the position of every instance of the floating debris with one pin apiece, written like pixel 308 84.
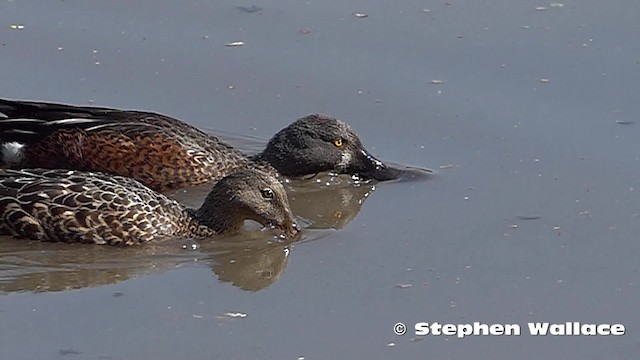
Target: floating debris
pixel 234 43
pixel 391 344
pixel 437 82
pixel 235 315
pixel 305 31
pixel 16 26
pixel 249 9
pixel 360 15
pixel 556 5
pixel 524 217
pixel 541 8
pixel 403 286
pixel 544 81
pixel 625 122
pixel 60 48
pixel 69 351
pixel 445 167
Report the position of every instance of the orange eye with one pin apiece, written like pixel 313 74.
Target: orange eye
pixel 337 142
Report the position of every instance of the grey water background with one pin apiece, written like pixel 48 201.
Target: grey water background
pixel 528 115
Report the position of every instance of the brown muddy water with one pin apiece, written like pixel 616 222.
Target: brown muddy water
pixel 528 112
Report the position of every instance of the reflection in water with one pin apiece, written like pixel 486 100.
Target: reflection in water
pixel 249 266
pixel 327 201
pixel 34 266
pixel 252 260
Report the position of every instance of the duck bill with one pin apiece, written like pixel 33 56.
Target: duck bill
pixel 370 167
pixel 287 228
pixel 291 230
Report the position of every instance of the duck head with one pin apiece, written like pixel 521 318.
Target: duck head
pixel 318 143
pixel 248 194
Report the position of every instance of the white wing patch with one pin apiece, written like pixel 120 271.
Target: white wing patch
pixel 12 153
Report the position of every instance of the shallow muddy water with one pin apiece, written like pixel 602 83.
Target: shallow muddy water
pixel 527 111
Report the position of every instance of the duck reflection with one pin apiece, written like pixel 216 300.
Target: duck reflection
pixel 328 201
pixel 250 266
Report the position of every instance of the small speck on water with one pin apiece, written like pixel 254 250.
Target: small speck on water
pixel 403 286
pixel 544 81
pixel 391 344
pixel 360 15
pixel 190 245
pixel 625 122
pixel 234 44
pixel 436 82
pixel 16 27
pixel 118 294
pixel 556 5
pixel 60 48
pixel 541 8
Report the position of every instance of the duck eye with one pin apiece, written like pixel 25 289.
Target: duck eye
pixel 267 193
pixel 338 142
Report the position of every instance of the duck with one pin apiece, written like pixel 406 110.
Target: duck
pixel 165 153
pixel 75 206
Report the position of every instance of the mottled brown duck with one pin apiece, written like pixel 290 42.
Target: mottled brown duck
pixel 77 206
pixel 165 153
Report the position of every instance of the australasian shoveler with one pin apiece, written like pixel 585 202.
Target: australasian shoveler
pixel 165 153
pixel 77 206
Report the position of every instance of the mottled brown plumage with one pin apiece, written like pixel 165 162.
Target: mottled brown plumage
pixel 165 153
pixel 76 206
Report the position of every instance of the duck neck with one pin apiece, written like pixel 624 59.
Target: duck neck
pixel 217 215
